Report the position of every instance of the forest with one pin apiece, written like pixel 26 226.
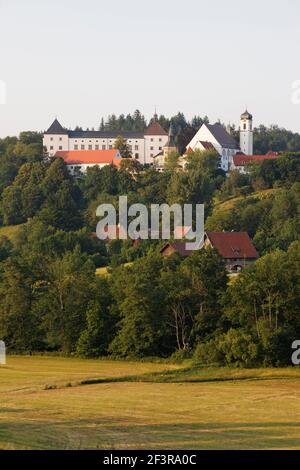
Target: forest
pixel 52 300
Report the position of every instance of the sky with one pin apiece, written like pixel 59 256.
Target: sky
pixel 81 60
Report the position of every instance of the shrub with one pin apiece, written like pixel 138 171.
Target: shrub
pixel 235 348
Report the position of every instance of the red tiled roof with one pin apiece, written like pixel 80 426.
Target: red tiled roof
pixel 177 248
pixel 241 159
pixel 232 244
pixel 81 157
pixel 155 129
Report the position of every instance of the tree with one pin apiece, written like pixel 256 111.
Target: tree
pixel 100 323
pixel 139 299
pixel 121 145
pixel 19 326
pixel 67 288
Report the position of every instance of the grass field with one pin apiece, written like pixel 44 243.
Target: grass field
pixel 65 403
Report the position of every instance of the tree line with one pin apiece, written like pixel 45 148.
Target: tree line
pixel 52 300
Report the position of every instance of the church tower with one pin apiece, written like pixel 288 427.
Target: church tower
pixel 170 145
pixel 246 133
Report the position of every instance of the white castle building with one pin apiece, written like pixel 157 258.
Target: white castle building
pixel 149 146
pixel 215 136
pixel 143 145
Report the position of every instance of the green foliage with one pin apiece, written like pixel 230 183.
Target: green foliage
pixel 235 348
pixel 123 147
pixel 51 299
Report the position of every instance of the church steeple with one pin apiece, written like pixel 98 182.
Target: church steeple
pixel 171 138
pixel 246 133
pixel 170 145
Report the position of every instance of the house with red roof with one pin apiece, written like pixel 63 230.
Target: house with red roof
pixel 81 160
pixel 240 161
pixel 236 249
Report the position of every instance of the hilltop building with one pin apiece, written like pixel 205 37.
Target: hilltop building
pixel 215 136
pixel 143 145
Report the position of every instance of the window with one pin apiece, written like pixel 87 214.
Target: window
pixel 110 147
pixel 96 147
pixel 151 140
pixel 90 147
pixel 136 147
pixel 103 147
pixel 75 147
pixel 60 138
pixel 160 148
pixel 82 147
pixel 159 139
pixel 245 127
pixel 51 138
pixel 151 148
pixel 60 147
pixel 51 147
pixel 136 155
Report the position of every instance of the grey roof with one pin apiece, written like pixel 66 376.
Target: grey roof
pixel 246 115
pixel 104 134
pixel 56 128
pixel 222 136
pixel 171 140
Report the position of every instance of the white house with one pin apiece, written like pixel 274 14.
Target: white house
pixel 144 145
pixel 240 161
pixel 216 136
pixel 81 160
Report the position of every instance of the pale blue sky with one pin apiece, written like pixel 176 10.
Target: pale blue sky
pixel 81 60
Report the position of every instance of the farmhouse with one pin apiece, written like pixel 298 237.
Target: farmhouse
pixel 83 159
pixel 236 248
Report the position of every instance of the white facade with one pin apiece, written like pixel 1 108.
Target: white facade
pixel 82 167
pixel 143 146
pixel 154 145
pixel 221 141
pixel 55 143
pixel 246 133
